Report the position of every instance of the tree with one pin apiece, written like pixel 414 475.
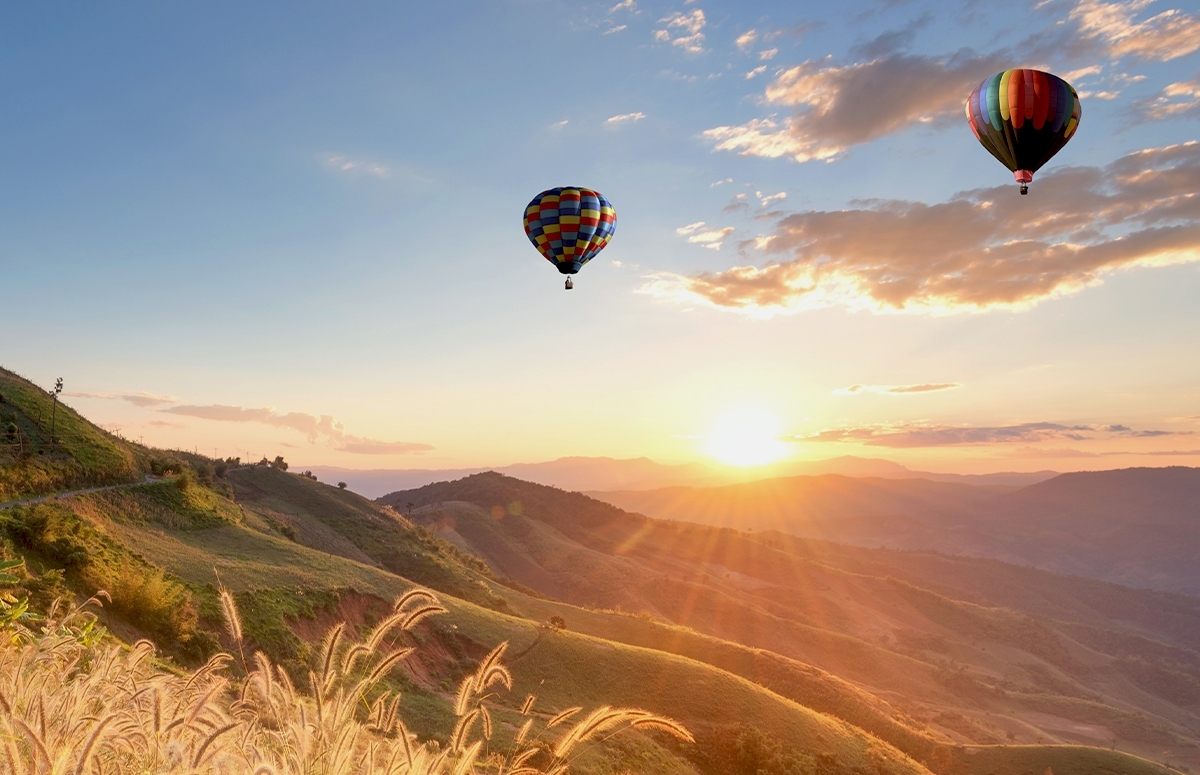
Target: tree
pixel 279 463
pixel 558 623
pixel 341 485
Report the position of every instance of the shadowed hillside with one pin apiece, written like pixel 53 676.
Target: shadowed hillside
pixel 1138 526
pixel 982 652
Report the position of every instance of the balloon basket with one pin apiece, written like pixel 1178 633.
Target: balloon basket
pixel 1024 189
pixel 568 284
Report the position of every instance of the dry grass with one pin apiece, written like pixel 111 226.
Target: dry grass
pixel 74 707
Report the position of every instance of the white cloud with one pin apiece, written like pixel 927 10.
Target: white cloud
pixel 746 39
pixel 1176 100
pixel 756 71
pixel 627 5
pixel 1168 35
pixel 766 200
pixel 721 182
pixel 559 124
pixel 691 227
pixel 712 239
pixel 625 117
pixel 618 28
pixel 683 30
pixel 767 55
pixel 344 164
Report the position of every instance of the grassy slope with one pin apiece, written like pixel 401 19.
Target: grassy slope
pixel 204 532
pixel 84 455
pixel 974 671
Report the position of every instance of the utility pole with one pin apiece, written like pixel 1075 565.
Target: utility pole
pixel 54 411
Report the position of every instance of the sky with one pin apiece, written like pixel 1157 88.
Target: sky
pixel 295 229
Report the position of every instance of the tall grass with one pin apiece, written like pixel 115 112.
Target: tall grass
pixel 74 706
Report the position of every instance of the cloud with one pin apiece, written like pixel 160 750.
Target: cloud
pixel 756 71
pixel 746 39
pixel 896 390
pixel 683 30
pixel 311 426
pixel 986 248
pixel 343 164
pixel 712 238
pixel 766 200
pixel 691 227
pixel 769 54
pixel 1163 37
pixel 906 435
pixel 165 424
pixel 627 5
pixel 618 28
pixel 1068 452
pixel 1175 101
pixel 141 398
pixel 841 106
pixel 625 117
pixel 721 182
pixel 560 124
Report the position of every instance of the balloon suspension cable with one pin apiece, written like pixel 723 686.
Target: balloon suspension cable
pixel 569 285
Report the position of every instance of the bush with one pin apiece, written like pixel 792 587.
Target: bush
pixel 341 485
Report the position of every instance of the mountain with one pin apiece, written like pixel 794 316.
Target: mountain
pixel 603 473
pixel 978 651
pixel 782 656
pixel 1137 526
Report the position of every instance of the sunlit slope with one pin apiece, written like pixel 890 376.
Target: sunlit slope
pixel 44 447
pixel 563 668
pixel 1049 658
pixel 1137 526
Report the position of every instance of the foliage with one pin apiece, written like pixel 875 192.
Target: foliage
pixel 73 705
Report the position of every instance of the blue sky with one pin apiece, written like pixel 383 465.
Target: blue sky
pixel 296 229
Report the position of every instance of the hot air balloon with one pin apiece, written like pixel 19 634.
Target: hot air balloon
pixel 569 225
pixel 1023 118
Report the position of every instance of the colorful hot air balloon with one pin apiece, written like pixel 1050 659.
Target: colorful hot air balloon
pixel 569 226
pixel 1023 117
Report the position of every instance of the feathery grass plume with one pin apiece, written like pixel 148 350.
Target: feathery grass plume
pixel 381 630
pixel 411 595
pixel 563 716
pixel 527 705
pixel 385 666
pixel 416 616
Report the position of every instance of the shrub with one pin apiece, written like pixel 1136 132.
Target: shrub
pixel 341 485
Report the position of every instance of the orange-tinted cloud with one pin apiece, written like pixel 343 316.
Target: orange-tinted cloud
pixel 1165 36
pixel 897 390
pixel 141 398
pixel 310 425
pixel 1176 100
pixel 982 249
pixel 907 435
pixel 841 106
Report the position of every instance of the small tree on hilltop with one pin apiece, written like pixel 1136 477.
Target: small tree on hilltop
pixel 341 485
pixel 279 463
pixel 558 623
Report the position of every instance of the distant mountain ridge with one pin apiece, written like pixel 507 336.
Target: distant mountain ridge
pixel 1138 526
pixel 583 474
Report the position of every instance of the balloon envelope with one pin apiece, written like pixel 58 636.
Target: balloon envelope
pixel 570 225
pixel 1023 118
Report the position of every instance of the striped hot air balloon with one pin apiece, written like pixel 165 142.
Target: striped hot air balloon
pixel 1023 118
pixel 569 225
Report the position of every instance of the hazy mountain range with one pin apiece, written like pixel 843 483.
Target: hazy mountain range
pixel 604 473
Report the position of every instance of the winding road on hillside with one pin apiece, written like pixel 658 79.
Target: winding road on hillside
pixel 67 493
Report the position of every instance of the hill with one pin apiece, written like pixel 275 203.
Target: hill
pixel 981 652
pixel 300 555
pixel 1138 526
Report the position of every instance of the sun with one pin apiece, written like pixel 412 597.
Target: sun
pixel 746 437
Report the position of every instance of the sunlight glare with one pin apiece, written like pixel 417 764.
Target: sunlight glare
pixel 746 437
